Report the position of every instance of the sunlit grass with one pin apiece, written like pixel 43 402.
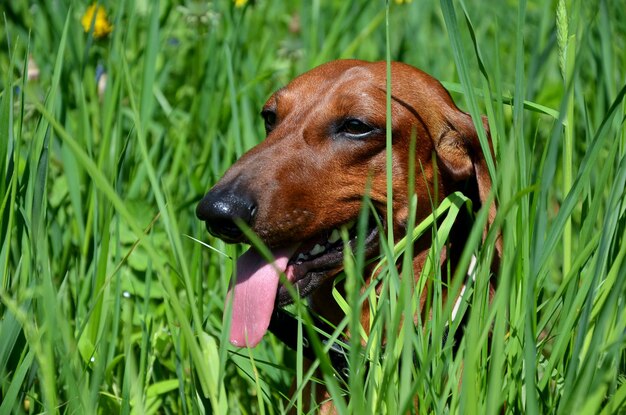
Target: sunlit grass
pixel 107 307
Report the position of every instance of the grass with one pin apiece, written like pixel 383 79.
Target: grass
pixel 109 305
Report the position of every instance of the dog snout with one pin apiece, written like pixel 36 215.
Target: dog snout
pixel 222 209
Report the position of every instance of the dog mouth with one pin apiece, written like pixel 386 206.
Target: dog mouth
pixel 306 264
pixel 322 257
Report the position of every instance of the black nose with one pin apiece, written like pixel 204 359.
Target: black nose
pixel 221 209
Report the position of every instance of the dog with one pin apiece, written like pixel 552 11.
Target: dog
pixel 325 148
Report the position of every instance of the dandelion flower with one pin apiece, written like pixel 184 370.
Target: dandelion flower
pixel 101 25
pixel 240 3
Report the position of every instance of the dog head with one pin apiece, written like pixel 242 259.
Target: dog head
pixel 325 149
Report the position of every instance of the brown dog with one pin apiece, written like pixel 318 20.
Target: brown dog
pixel 325 141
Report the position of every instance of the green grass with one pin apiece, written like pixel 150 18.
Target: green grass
pixel 109 305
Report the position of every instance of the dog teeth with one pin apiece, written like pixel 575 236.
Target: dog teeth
pixel 335 235
pixel 317 249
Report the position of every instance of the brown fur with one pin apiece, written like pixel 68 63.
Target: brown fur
pixel 305 180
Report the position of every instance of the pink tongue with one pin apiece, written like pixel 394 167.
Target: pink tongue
pixel 254 295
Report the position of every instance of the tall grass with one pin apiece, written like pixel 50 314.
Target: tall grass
pixel 108 304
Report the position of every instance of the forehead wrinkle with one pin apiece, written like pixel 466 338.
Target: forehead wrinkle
pixel 359 99
pixel 358 104
pixel 305 103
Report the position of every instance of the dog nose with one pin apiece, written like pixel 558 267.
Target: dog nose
pixel 222 209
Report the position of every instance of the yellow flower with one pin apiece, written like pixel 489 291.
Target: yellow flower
pixel 240 3
pixel 101 26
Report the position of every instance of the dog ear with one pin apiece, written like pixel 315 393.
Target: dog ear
pixel 463 159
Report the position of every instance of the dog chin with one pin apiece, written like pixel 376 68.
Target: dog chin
pixel 303 287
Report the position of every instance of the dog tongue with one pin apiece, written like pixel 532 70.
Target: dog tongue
pixel 254 295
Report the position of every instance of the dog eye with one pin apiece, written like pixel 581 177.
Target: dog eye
pixel 269 117
pixel 355 128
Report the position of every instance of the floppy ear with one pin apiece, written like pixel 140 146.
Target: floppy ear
pixel 459 150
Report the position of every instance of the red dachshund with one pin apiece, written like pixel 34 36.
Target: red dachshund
pixel 325 143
